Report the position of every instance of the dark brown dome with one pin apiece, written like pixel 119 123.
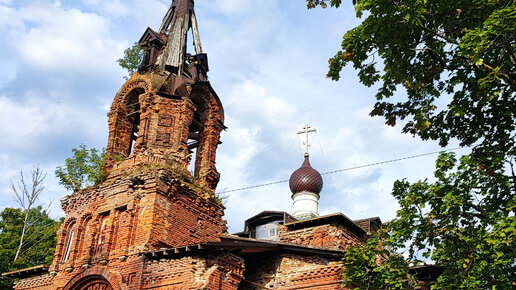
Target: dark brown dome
pixel 306 179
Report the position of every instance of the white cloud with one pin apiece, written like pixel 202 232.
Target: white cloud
pixel 29 123
pixel 238 6
pixel 252 101
pixel 54 39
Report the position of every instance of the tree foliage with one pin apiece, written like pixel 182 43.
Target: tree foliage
pixel 461 49
pixel 132 59
pixel 456 61
pixel 40 242
pixel 373 266
pixel 463 221
pixel 83 169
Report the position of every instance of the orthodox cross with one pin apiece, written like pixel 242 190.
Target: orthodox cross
pixel 306 129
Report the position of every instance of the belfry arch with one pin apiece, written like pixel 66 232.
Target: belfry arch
pixel 195 131
pixel 125 120
pixel 132 117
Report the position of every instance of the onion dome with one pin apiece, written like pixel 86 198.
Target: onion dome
pixel 306 179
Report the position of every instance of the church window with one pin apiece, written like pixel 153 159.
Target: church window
pixel 268 231
pixel 101 243
pixel 68 246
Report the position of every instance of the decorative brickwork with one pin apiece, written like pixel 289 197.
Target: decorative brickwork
pixel 164 129
pixel 35 282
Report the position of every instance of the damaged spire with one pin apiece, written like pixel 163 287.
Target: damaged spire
pixel 179 19
pixel 165 50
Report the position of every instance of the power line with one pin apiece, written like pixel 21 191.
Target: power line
pixel 342 170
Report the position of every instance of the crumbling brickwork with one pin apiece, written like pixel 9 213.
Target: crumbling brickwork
pixel 149 126
pixel 124 216
pixel 289 271
pixel 332 236
pixel 150 199
pixel 209 271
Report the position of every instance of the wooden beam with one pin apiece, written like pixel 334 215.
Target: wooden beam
pixel 133 113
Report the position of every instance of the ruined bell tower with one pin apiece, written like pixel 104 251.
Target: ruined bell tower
pixel 168 113
pixel 159 192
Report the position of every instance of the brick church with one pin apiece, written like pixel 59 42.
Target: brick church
pixel 153 224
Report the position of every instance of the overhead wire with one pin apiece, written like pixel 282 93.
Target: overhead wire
pixel 344 169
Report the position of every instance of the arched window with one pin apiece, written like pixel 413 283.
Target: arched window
pixel 132 119
pixel 68 246
pixel 69 239
pixel 194 134
pixel 101 241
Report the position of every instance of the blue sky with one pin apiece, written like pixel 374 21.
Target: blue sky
pixel 268 60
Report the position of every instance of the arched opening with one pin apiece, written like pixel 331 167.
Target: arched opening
pixel 84 234
pixel 68 246
pixel 195 131
pixel 68 238
pixel 92 282
pixel 132 120
pixel 102 242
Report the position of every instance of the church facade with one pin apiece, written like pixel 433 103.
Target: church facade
pixel 154 224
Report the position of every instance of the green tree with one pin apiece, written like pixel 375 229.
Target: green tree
pixel 83 169
pixel 463 221
pixel 40 242
pixel 462 49
pixel 462 53
pixel 132 59
pixel 373 266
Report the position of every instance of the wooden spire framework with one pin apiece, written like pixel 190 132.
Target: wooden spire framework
pixel 179 19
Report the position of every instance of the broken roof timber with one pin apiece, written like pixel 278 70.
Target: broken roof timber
pixel 244 246
pixel 27 271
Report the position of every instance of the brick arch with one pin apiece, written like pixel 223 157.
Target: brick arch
pixel 69 223
pixel 137 81
pixel 64 236
pixel 122 122
pixel 93 282
pixel 202 92
pixel 86 218
pixel 203 96
pixel 96 277
pixel 83 247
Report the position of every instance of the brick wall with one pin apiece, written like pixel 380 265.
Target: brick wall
pixel 37 282
pixel 131 213
pixel 289 271
pixel 210 271
pixel 333 236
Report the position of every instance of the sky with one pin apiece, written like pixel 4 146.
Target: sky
pixel 268 60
